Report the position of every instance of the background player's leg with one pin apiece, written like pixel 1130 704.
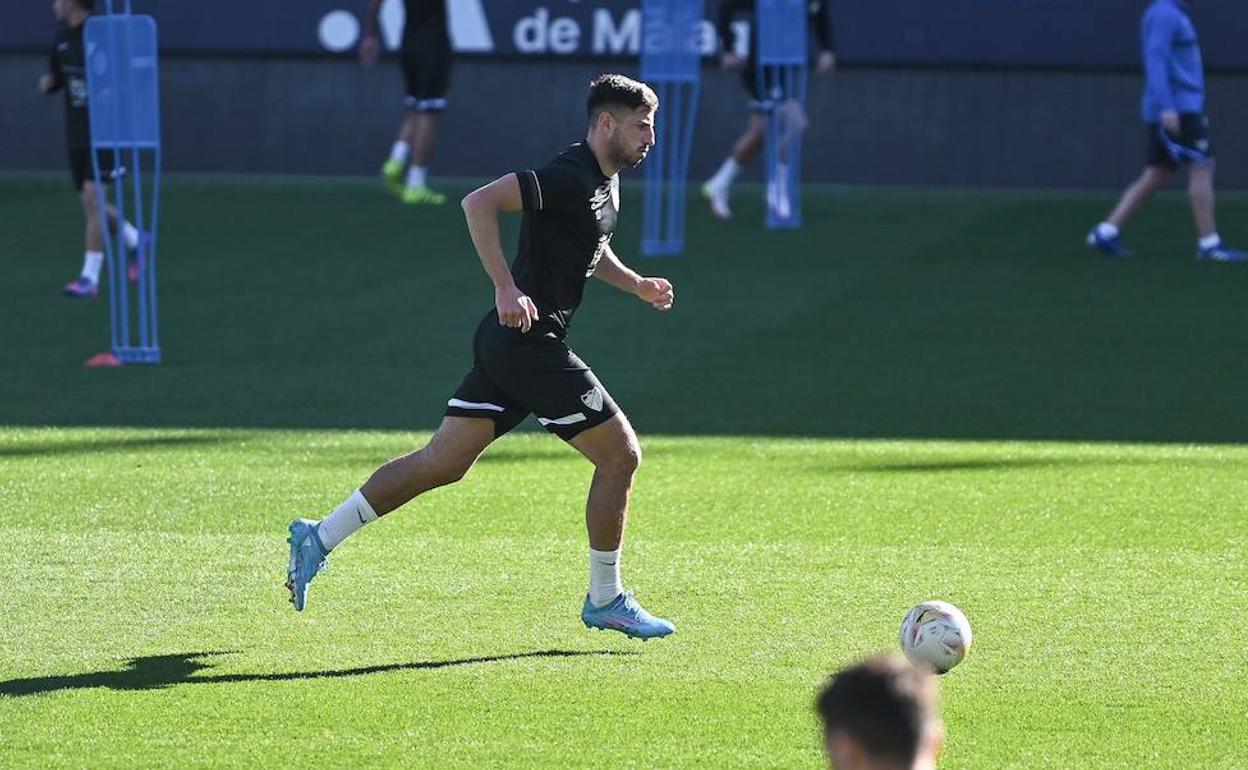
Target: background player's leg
pixel 400 152
pixel 718 187
pixel 424 128
pixel 1200 192
pixel 1153 179
pixel 1105 236
pixel 88 282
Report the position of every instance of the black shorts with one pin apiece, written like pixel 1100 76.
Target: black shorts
pixel 80 166
pixel 758 101
pixel 426 61
pixel 1192 145
pixel 516 374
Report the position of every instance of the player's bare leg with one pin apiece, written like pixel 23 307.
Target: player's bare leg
pixel 423 129
pixel 448 456
pixel 718 188
pixel 616 454
pixel 1105 236
pixel 1200 193
pixel 1137 194
pixel 395 168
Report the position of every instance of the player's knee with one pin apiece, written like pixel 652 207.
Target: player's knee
pixel 443 467
pixel 625 461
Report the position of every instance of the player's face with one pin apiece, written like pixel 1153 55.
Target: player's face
pixel 633 137
pixel 60 9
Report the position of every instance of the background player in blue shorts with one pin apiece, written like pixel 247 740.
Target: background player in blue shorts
pixel 1178 132
pixel 521 363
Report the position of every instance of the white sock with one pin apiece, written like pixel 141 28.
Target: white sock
pixel 400 151
pixel 1107 231
pixel 91 261
pixel 354 513
pixel 130 234
pixel 1210 241
pixel 727 172
pixel 604 577
pixel 417 175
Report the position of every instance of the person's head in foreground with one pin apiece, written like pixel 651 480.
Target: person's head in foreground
pixel 621 118
pixel 881 714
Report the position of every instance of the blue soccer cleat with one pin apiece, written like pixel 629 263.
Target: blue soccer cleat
pixel 307 557
pixel 625 615
pixel 1111 246
pixel 1221 253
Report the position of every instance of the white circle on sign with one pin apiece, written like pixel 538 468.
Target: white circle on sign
pixel 339 30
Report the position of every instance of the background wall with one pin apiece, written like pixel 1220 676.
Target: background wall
pixel 1006 127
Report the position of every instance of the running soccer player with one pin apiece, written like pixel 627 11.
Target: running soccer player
pixel 67 72
pixel 522 364
pixel 1173 109
pixel 717 189
pixel 426 60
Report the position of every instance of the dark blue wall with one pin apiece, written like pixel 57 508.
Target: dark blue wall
pixel 876 126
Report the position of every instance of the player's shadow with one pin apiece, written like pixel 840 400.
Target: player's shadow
pixel 88 446
pixel 157 672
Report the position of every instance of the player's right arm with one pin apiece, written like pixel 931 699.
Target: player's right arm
pixel 481 208
pixel 370 44
pixel 52 81
pixel 1160 29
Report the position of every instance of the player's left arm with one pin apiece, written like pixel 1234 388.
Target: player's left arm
pixel 658 292
pixel 821 23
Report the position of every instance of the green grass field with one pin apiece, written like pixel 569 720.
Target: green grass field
pixel 919 395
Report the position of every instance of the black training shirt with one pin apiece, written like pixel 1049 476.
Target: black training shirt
pixel 424 18
pixel 69 72
pixel 570 209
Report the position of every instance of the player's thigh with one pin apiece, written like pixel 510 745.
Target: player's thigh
pixel 458 442
pixel 87 195
pixel 611 444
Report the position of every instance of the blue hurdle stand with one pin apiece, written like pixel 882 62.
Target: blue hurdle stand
pixel 123 94
pixel 783 72
pixel 671 64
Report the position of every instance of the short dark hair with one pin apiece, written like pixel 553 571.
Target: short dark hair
pixel 885 704
pixel 607 91
pixel 86 5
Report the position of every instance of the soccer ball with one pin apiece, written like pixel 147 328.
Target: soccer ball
pixel 936 633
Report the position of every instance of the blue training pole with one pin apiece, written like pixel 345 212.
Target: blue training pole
pixel 671 64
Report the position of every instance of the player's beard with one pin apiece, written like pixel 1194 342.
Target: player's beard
pixel 625 156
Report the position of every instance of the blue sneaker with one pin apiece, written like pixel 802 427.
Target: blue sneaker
pixel 1222 253
pixel 1111 246
pixel 626 615
pixel 307 557
pixel 81 287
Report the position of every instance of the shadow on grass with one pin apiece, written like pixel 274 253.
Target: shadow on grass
pixel 124 444
pixel 157 672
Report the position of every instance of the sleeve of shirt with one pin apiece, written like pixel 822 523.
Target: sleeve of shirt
pixel 555 186
pixel 821 22
pixel 1159 32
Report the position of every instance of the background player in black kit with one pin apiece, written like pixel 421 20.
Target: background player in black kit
pixel 426 60
pixel 67 72
pixel 718 188
pixel 522 365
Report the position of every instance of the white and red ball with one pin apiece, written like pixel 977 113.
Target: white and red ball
pixel 936 633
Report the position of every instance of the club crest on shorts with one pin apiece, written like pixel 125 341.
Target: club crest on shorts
pixel 593 399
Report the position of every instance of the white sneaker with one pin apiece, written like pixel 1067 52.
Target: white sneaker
pixel 717 199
